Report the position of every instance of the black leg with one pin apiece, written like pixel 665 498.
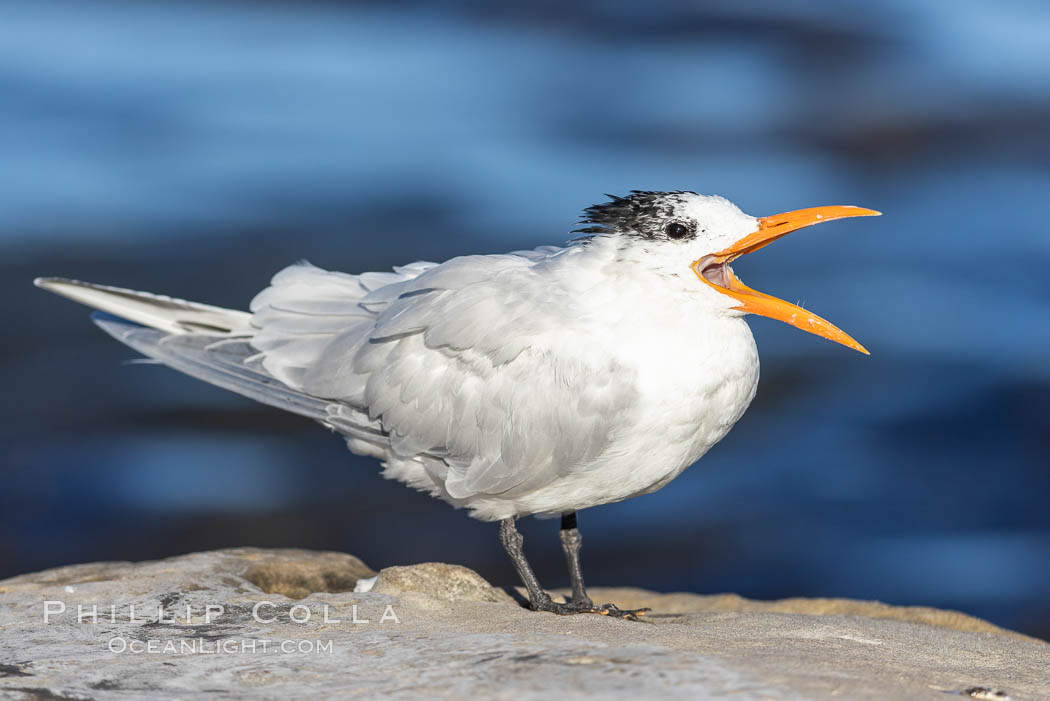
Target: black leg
pixel 512 542
pixel 540 600
pixel 571 541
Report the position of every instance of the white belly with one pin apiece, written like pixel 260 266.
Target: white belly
pixel 673 375
pixel 692 386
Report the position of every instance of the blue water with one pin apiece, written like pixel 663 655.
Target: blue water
pixel 196 148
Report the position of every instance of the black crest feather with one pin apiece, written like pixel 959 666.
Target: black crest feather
pixel 641 213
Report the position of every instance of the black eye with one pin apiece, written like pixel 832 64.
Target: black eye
pixel 677 230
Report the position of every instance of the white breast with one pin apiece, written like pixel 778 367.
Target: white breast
pixel 693 373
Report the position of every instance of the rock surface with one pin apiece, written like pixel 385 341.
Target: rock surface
pixel 288 623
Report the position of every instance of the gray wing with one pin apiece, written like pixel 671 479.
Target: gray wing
pixel 222 361
pixel 231 362
pixel 455 367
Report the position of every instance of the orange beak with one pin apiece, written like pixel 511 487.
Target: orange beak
pixel 714 270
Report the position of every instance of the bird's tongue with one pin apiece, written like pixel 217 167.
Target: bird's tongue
pixel 715 271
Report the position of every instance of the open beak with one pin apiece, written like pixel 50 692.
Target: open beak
pixel 714 270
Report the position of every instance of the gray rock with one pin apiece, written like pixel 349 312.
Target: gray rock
pixel 287 623
pixel 438 581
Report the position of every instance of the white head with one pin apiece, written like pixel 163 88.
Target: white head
pixel 669 231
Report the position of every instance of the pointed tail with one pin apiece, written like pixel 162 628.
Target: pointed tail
pixel 174 316
pixel 210 343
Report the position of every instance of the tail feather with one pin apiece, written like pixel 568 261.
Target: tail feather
pixel 222 346
pixel 175 316
pixel 208 358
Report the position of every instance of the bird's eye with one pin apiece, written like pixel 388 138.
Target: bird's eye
pixel 677 230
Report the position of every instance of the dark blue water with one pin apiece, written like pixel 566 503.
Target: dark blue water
pixel 194 149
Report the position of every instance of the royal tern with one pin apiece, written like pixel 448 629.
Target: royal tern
pixel 534 382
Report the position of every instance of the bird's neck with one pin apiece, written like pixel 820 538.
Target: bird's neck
pixel 619 282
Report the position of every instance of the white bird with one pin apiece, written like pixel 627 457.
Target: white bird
pixel 534 382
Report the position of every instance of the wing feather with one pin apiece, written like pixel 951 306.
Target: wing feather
pixel 454 365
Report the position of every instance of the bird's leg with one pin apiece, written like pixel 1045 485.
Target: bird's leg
pixel 540 600
pixel 512 542
pixel 571 541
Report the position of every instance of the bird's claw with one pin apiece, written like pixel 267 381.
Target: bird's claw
pixel 616 612
pixel 571 608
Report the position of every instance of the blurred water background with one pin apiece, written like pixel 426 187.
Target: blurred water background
pixel 196 148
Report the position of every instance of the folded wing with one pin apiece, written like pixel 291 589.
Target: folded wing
pixel 455 364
